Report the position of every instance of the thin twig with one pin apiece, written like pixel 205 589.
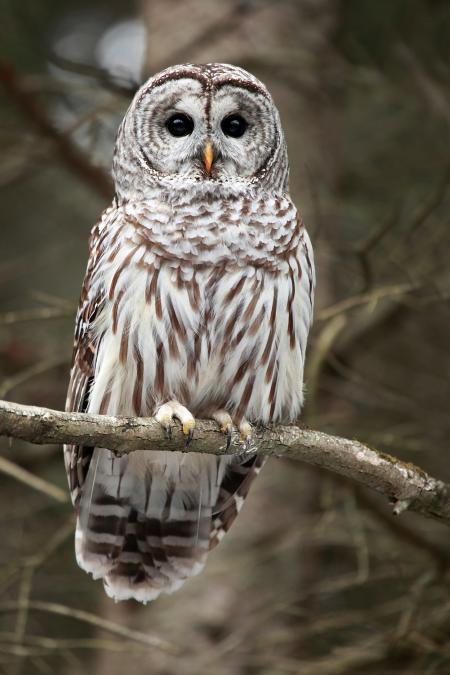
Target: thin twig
pixel 35 314
pixel 371 297
pixel 53 300
pixel 363 249
pixel 23 476
pixel 73 158
pixel 25 587
pixel 125 86
pixel 92 619
pixel 37 559
pixel 10 383
pixel 400 530
pixel 52 545
pixel 54 644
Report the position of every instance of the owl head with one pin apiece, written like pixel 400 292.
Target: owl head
pixel 211 128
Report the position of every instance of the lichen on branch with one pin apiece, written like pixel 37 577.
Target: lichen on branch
pixel 405 485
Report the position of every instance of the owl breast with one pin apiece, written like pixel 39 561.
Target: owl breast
pixel 209 311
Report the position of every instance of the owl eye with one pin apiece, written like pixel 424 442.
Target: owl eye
pixel 180 124
pixel 234 125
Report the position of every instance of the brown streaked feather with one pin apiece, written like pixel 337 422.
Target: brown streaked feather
pixel 236 483
pixel 104 403
pixel 123 352
pixel 115 310
pixel 119 272
pixel 273 327
pixel 77 458
pixel 250 308
pixel 152 284
pixel 243 403
pixel 256 322
pixel 159 379
pixel 138 383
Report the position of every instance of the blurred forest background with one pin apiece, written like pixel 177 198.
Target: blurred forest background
pixel 316 577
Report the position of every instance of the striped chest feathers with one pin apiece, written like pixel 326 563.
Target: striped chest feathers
pixel 206 332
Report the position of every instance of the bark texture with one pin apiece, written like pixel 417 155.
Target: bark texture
pixel 407 486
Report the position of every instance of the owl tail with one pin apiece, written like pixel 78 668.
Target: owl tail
pixel 147 520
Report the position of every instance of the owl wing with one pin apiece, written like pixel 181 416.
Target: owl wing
pixel 234 488
pixel 307 271
pixel 77 458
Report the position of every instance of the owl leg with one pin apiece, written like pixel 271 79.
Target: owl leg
pixel 174 410
pixel 225 423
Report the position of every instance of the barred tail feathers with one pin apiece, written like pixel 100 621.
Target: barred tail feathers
pixel 145 520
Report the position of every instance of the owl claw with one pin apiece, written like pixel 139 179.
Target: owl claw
pixel 174 410
pixel 223 419
pixel 247 443
pixel 246 435
pixel 229 433
pixel 225 423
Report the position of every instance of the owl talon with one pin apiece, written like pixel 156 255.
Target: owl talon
pixel 245 435
pixel 229 433
pixel 245 430
pixel 225 423
pixel 190 436
pixel 247 444
pixel 223 419
pixel 174 410
pixel 228 430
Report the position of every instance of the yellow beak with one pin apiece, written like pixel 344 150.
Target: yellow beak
pixel 208 157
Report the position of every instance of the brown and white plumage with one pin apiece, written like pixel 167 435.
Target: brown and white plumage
pixel 198 293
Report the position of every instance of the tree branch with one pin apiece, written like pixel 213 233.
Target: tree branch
pixel 405 485
pixel 94 176
pixel 147 639
pixel 24 476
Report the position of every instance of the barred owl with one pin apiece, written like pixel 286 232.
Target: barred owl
pixel 197 301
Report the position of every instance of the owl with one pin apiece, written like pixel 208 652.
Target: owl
pixel 197 302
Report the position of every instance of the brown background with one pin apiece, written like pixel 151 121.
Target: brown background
pixel 316 576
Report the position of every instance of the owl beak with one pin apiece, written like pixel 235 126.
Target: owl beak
pixel 208 157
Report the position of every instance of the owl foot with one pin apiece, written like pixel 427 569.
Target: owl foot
pixel 225 423
pixel 174 410
pixel 245 433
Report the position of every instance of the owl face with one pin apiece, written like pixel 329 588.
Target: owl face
pixel 208 125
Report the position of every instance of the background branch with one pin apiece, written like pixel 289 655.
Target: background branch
pixel 24 476
pixel 404 484
pixel 93 176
